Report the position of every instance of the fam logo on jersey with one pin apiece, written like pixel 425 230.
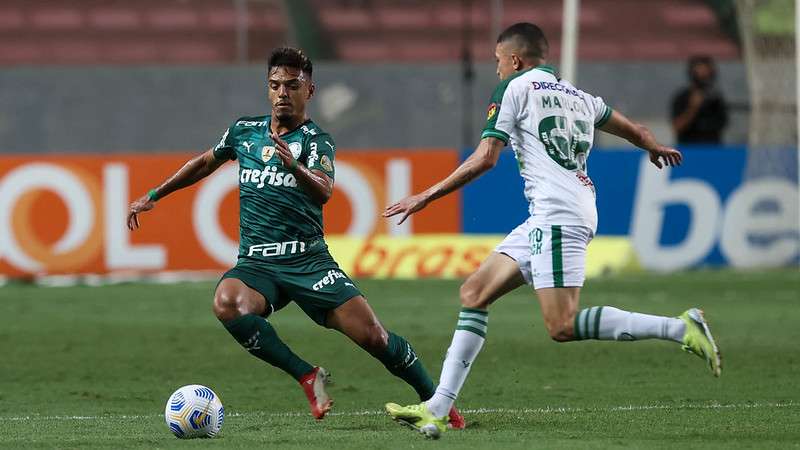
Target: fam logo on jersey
pixel 492 111
pixel 251 123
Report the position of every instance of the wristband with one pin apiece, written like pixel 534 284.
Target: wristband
pixel 151 194
pixel 293 165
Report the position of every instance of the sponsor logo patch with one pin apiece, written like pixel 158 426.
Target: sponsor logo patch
pixel 325 162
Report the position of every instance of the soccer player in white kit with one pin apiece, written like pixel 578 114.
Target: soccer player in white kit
pixel 550 126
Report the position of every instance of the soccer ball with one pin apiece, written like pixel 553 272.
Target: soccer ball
pixel 194 411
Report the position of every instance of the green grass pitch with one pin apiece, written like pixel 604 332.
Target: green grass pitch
pixel 87 367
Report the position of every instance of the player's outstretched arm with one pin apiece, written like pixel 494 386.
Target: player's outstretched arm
pixel 193 171
pixel 641 136
pixel 481 160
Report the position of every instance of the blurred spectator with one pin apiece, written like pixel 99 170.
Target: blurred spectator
pixel 699 112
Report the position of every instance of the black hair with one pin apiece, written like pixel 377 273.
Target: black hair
pixel 528 37
pixel 289 57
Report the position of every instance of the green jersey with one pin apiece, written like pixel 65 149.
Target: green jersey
pixel 277 218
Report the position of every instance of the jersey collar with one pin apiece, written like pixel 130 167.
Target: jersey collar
pixel 547 68
pixel 268 131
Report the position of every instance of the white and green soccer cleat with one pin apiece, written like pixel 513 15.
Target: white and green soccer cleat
pixel 698 340
pixel 418 418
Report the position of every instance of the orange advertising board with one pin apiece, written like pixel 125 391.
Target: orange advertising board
pixel 66 214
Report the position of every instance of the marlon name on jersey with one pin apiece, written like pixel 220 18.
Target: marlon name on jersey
pixel 269 176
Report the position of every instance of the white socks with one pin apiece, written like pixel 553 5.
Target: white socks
pixel 599 322
pixel 609 323
pixel 467 343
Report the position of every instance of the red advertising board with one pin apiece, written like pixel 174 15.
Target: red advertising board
pixel 66 214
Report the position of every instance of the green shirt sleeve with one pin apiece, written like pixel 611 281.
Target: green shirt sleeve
pixel 495 103
pixel 226 148
pixel 321 153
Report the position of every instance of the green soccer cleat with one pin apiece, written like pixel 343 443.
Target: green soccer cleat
pixel 698 340
pixel 418 418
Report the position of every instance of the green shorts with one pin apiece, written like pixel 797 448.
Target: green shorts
pixel 315 282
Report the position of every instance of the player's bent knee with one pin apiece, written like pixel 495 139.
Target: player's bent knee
pixel 230 305
pixel 225 306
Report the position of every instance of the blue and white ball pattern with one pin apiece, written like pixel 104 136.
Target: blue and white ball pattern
pixel 194 411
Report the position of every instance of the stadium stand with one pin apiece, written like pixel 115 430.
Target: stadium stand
pixel 140 32
pixel 204 31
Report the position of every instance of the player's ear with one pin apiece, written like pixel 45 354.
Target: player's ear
pixel 311 88
pixel 517 62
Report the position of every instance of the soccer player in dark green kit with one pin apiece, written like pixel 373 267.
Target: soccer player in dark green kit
pixel 286 171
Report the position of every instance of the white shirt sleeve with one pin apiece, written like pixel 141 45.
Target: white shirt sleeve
pixel 602 112
pixel 510 108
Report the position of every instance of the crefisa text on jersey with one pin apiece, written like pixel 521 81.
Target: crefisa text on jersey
pixel 270 175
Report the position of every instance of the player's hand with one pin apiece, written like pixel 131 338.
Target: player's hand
pixel 665 156
pixel 140 205
pixel 282 148
pixel 406 207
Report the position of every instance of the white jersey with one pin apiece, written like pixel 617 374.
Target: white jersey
pixel 550 126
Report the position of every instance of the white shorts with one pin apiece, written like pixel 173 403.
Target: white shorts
pixel 549 255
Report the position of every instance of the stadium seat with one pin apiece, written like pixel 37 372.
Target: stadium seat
pixel 368 30
pixel 11 19
pixel 172 18
pixel 343 20
pixel 110 18
pixel 48 19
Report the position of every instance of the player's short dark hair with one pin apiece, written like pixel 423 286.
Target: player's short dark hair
pixel 529 39
pixel 289 57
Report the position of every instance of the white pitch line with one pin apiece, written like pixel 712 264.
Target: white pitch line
pixel 523 411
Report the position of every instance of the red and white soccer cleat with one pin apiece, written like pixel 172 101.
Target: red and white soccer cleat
pixel 456 420
pixel 313 384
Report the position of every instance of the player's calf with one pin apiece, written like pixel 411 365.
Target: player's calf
pixel 613 324
pixel 239 308
pixel 357 321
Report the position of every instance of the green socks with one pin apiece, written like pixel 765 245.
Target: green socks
pixel 258 337
pixel 402 362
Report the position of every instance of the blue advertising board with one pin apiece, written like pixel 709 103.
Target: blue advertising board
pixel 705 212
